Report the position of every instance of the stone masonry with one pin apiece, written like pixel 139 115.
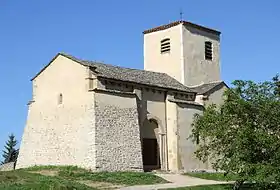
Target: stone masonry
pixel 118 145
pixel 97 116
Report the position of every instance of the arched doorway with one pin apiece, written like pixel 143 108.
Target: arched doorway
pixel 151 145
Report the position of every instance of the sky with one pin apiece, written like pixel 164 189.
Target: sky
pixel 32 32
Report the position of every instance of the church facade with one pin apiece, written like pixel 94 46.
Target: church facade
pixel 109 118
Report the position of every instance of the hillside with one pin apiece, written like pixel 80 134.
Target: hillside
pixel 69 178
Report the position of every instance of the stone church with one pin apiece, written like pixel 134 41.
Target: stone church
pixel 109 118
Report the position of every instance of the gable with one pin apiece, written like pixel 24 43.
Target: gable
pixel 59 64
pixel 61 75
pixel 58 58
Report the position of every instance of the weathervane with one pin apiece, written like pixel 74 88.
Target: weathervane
pixel 181 15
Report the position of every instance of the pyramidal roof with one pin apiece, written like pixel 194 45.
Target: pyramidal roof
pixel 186 23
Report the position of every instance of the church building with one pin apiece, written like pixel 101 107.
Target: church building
pixel 109 118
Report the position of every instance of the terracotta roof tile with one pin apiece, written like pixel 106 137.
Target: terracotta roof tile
pixel 186 23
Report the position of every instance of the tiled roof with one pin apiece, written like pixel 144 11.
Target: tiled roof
pixel 144 77
pixel 186 23
pixel 204 88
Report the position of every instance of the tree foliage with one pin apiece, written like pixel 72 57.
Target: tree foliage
pixel 242 136
pixel 10 153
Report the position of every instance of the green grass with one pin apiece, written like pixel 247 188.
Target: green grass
pixel 68 177
pixel 20 180
pixel 38 168
pixel 125 178
pixel 213 176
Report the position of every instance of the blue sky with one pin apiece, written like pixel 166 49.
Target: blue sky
pixel 32 32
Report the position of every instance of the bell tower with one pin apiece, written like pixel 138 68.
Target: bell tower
pixel 188 52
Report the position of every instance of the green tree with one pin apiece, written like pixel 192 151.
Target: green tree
pixel 276 81
pixel 242 136
pixel 10 153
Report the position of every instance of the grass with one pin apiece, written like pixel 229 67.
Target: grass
pixel 39 168
pixel 20 180
pixel 125 178
pixel 69 177
pixel 212 176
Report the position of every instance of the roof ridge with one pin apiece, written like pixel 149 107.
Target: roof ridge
pixel 139 76
pixel 108 64
pixel 203 83
pixel 193 86
pixel 217 81
pixel 175 23
pixel 206 87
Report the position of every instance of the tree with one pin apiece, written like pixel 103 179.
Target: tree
pixel 10 153
pixel 276 81
pixel 242 136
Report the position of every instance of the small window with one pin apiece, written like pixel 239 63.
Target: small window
pixel 165 45
pixel 60 98
pixel 208 51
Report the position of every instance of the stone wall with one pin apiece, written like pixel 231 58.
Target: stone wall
pixel 170 62
pixel 172 132
pixel 186 148
pixel 7 167
pixel 216 96
pixel 153 102
pixel 59 133
pixel 196 68
pixel 186 60
pixel 117 141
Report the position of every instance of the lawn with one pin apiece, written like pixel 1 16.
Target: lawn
pixel 68 177
pixel 212 176
pixel 20 180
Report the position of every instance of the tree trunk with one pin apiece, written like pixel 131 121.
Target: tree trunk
pixel 237 185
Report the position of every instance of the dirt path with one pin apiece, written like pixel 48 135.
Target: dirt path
pixel 176 180
pixel 45 172
pixel 100 185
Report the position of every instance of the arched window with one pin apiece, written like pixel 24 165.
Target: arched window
pixel 60 98
pixel 165 45
pixel 208 50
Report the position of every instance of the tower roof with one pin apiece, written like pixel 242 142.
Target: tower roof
pixel 186 23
